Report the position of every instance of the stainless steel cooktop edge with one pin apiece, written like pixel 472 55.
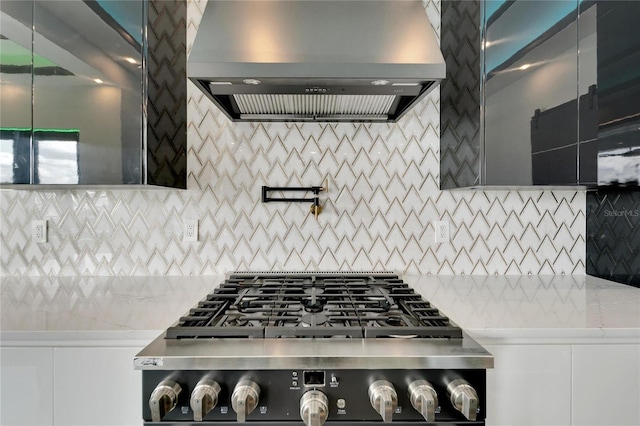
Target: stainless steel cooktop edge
pixel 269 354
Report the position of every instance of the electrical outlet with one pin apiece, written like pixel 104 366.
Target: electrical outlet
pixel 442 231
pixel 39 231
pixel 190 232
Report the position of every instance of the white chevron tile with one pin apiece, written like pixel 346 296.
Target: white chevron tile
pixel 530 262
pixel 497 263
pixel 378 213
pixel 479 248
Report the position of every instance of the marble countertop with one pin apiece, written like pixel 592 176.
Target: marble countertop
pixel 514 309
pixel 95 310
pixel 536 308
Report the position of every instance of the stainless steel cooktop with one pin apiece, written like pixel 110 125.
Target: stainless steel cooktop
pixel 313 348
pixel 278 305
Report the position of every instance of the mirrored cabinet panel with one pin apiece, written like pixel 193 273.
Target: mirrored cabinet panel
pixel 16 74
pixel 559 94
pixel 618 86
pixel 531 80
pixel 74 93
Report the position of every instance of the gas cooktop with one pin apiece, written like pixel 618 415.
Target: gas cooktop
pixel 336 305
pixel 339 348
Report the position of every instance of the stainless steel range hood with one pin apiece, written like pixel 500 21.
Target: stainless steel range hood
pixel 315 60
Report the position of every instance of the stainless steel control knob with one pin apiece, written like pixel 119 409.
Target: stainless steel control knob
pixel 463 397
pixel 424 399
pixel 314 408
pixel 384 399
pixel 244 399
pixel 204 398
pixel 164 399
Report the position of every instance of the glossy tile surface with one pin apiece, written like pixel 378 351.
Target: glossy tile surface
pixel 378 213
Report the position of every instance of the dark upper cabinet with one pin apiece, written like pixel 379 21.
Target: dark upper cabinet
pixel 618 67
pixel 87 98
pixel 558 93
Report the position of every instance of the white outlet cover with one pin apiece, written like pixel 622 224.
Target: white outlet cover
pixel 190 230
pixel 39 231
pixel 441 228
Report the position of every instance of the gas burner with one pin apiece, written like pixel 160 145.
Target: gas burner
pixel 236 320
pixel 246 303
pixel 314 305
pixel 403 336
pixel 378 304
pixel 392 320
pixel 313 320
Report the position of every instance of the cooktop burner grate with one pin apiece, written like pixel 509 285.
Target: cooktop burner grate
pixel 314 305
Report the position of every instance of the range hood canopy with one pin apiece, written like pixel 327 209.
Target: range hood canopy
pixel 315 60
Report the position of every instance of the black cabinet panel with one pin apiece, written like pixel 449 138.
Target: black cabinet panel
pixel 613 235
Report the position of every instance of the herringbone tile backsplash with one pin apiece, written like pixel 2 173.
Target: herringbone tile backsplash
pixel 378 213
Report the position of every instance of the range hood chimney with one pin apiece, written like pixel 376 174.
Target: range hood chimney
pixel 315 60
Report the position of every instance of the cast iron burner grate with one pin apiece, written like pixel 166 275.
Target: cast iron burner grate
pixel 295 305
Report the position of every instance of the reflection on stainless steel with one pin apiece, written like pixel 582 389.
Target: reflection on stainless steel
pixel 384 399
pixel 314 408
pixel 245 398
pixel 377 353
pixel 164 399
pixel 204 398
pixel 463 397
pixel 424 399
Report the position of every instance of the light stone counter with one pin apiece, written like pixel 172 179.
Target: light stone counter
pixel 572 309
pixel 493 309
pixel 103 311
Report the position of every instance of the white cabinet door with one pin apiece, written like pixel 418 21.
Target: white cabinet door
pixel 26 388
pixel 530 385
pixel 97 386
pixel 606 385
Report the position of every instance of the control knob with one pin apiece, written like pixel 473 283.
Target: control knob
pixel 164 399
pixel 204 398
pixel 314 408
pixel 424 399
pixel 384 399
pixel 463 397
pixel 244 398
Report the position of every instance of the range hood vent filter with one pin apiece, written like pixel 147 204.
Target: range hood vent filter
pixel 316 105
pixel 315 60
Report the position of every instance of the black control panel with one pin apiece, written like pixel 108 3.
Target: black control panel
pixel 280 392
